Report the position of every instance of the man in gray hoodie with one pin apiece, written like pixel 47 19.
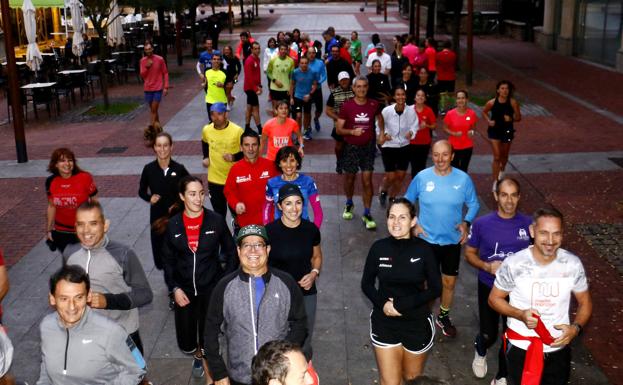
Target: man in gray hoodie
pixel 117 277
pixel 79 346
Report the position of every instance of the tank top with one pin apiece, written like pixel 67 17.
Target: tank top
pixel 497 114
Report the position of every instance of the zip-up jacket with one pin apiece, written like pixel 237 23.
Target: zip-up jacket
pixel 197 272
pixel 398 125
pixel 116 272
pixel 281 315
pixel 95 351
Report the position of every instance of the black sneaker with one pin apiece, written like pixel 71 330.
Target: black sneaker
pixel 446 326
pixel 383 198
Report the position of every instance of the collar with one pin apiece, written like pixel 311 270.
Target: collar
pixel 246 277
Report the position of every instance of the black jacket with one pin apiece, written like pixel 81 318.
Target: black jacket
pixel 153 181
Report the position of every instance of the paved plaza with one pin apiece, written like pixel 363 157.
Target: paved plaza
pixel 562 156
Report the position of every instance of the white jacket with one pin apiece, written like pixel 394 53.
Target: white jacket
pixel 398 125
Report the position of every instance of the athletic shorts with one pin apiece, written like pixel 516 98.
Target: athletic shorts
pixel 501 134
pixel 153 96
pixel 357 158
pixel 317 100
pixel 302 106
pixel 252 99
pixel 278 96
pixel 415 336
pixel 446 85
pixel 395 158
pixel 448 258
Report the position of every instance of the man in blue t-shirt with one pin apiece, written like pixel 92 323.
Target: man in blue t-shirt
pixel 494 237
pixel 205 60
pixel 319 68
pixel 303 85
pixel 441 192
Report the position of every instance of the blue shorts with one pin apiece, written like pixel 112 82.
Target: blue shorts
pixel 153 96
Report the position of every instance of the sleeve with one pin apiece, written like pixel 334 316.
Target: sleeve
pixel 343 115
pixel 169 258
pixel 317 237
pixel 231 189
pixel 580 283
pixel 205 147
pixel 91 187
pixel 44 378
pixel 130 364
pixel 368 279
pixel 297 318
pixel 322 75
pixel 473 239
pixel 331 101
pixel 269 69
pixel 183 172
pixel 198 67
pixel 414 124
pixel 471 200
pixel 268 208
pixel 314 202
pixel 140 293
pixel 504 277
pixel 214 320
pixel 143 186
pixel 413 193
pixel 143 68
pixel 228 248
pixel 431 116
pixel 433 284
pixel 48 185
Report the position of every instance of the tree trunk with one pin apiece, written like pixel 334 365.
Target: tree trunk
pixel 430 19
pixel 178 41
pixel 162 38
pixel 193 29
pixel 103 55
pixel 456 29
pixel 241 12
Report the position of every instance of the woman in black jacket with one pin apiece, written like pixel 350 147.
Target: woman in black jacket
pixel 194 241
pixel 378 85
pixel 234 67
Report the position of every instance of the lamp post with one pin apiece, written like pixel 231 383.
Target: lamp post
pixel 14 92
pixel 469 70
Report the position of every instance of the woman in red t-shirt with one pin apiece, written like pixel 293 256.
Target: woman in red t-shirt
pixel 420 145
pixel 67 188
pixel 459 124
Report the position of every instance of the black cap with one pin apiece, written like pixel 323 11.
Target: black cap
pixel 287 190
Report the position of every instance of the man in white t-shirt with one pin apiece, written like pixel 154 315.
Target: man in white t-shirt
pixel 380 55
pixel 539 281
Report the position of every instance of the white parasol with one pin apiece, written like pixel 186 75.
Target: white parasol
pixel 77 24
pixel 114 35
pixel 33 55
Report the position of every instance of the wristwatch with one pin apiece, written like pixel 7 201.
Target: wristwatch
pixel 579 327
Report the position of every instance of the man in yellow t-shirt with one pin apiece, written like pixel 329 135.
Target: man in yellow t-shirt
pixel 215 83
pixel 220 142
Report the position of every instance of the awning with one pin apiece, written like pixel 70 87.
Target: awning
pixel 38 3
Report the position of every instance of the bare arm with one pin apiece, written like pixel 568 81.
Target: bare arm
pixel 472 257
pixel 50 214
pixel 497 301
pixel 330 112
pixel 263 141
pixel 485 112
pixel 584 311
pixel 4 282
pixel 339 127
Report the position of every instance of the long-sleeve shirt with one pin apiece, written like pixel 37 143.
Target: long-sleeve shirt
pixel 164 182
pixel 155 77
pixel 398 125
pixel 441 200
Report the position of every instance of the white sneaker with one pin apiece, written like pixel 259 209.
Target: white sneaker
pixel 479 365
pixel 501 381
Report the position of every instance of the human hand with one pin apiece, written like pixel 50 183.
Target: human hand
pixel 165 91
pixel 301 152
pixel 418 231
pixel 278 83
pixel 494 266
pixel 98 301
pixel 219 84
pixel 390 310
pixel 154 199
pixel 180 298
pixel 528 318
pixel 308 280
pixel 357 131
pixel 462 227
pixel 206 162
pixel 409 135
pixel 569 332
pixel 149 63
pixel 240 208
pixel 306 98
pixel 508 118
pixel 223 381
pixel 259 91
pixel 228 157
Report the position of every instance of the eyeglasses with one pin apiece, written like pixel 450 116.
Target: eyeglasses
pixel 255 246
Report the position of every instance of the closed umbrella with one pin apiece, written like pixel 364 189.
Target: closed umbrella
pixel 77 23
pixel 33 55
pixel 114 34
pixel 156 23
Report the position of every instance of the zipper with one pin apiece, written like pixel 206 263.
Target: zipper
pixel 66 349
pixel 255 336
pixel 194 271
pixel 88 260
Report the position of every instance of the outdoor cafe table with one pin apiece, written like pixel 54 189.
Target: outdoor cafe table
pixel 37 85
pixel 69 72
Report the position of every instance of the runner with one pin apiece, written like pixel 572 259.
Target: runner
pixel 232 71
pixel 420 145
pixel 279 72
pixel 380 55
pixel 441 192
pixel 153 71
pixel 289 162
pixel 355 52
pixel 504 111
pixel 205 60
pixel 378 85
pixel 295 249
pixel 67 188
pixel 215 83
pixel 319 68
pixel 370 48
pixel 459 124
pixel 335 66
pixel 431 55
pixel 426 83
pixel 220 143
pixel 302 87
pixel 281 362
pixel 493 238
pixel 401 125
pixel 398 62
pixel 338 96
pixel 356 124
pixel 408 82
pixel 401 323
pixel 253 88
pixel 193 266
pixel 244 46
pixel 270 52
pixel 278 132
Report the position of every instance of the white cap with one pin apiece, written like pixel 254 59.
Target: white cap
pixel 343 75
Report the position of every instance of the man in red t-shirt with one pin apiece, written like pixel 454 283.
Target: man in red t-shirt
pixel 153 70
pixel 356 124
pixel 446 68
pixel 253 87
pixel 246 182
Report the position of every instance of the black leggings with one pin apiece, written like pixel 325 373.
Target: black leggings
pixel 419 156
pixel 462 158
pixel 157 242
pixel 190 322
pixel 217 198
pixel 489 320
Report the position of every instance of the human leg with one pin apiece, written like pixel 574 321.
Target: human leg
pixel 217 198
pixel 157 241
pixel 419 156
pixel 557 367
pixel 462 158
pixel 154 112
pixel 366 183
pixel 309 301
pixel 389 361
pixel 505 148
pixel 497 160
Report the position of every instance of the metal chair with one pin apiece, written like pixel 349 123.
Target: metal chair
pixel 45 96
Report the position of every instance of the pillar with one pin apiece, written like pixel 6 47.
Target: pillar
pixel 620 56
pixel 567 21
pixel 544 36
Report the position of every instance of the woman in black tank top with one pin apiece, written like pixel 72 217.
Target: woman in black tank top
pixel 501 112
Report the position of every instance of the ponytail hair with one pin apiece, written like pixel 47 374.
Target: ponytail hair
pixel 152 132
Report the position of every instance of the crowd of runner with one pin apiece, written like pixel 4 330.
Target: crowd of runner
pixel 254 280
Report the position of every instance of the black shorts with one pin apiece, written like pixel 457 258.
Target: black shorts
pixel 415 336
pixel 395 158
pixel 448 257
pixel 357 158
pixel 252 99
pixel 502 134
pixel 334 135
pixel 317 100
pixel 278 96
pixel 302 106
pixel 446 85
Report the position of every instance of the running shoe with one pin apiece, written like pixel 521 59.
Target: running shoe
pixel 198 371
pixel 348 212
pixel 383 198
pixel 446 326
pixel 369 222
pixel 317 124
pixel 499 381
pixel 479 365
pixel 307 135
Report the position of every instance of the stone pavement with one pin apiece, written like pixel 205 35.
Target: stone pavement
pixel 552 156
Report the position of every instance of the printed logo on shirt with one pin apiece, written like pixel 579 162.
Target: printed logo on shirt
pixel 499 255
pixel 276 295
pixel 362 118
pixel 264 175
pixel 242 179
pixel 85 341
pixel 523 235
pixel 210 232
pixel 280 141
pixel 456 186
pixel 430 186
pixel 178 235
pixel 413 260
pixel 468 118
pixel 192 228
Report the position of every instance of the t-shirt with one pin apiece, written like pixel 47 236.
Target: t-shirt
pixel 220 142
pixel 446 65
pixel 497 238
pixel 355 49
pixel 205 59
pixel 215 94
pixel 426 117
pixel 355 116
pixel 545 288
pixel 291 249
pixel 410 51
pixel 441 200
pixel 304 82
pixel 385 59
pixel 304 182
pixel 431 56
pixel 67 195
pixel 279 135
pixel 192 226
pixel 463 123
pixel 280 69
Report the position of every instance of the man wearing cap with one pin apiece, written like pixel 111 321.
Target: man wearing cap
pixel 215 82
pixel 220 142
pixel 337 65
pixel 338 96
pixel 252 305
pixel 380 55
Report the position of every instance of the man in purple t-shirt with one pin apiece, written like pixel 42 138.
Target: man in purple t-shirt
pixel 494 237
pixel 356 124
